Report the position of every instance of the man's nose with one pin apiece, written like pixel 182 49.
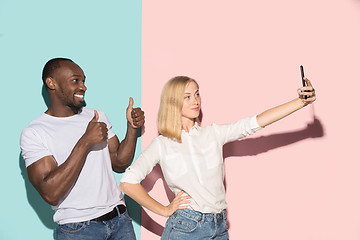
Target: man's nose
pixel 82 86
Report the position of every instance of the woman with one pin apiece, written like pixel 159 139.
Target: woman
pixel 191 160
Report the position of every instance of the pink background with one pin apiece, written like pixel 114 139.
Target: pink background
pixel 299 178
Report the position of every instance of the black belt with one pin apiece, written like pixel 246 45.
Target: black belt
pixel 112 214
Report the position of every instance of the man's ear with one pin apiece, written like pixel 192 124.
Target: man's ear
pixel 50 83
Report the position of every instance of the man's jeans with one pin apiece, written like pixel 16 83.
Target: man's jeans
pixel 119 227
pixel 190 225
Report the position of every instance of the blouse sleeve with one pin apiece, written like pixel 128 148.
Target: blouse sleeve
pixel 240 129
pixel 143 165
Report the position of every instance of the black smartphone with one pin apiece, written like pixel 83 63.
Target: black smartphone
pixel 302 77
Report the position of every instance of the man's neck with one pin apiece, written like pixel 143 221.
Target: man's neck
pixel 62 112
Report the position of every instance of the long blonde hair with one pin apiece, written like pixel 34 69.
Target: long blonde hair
pixel 171 102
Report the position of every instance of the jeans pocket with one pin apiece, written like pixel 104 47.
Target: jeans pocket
pixel 126 216
pixel 184 224
pixel 72 227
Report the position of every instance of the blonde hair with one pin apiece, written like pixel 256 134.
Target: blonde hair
pixel 171 102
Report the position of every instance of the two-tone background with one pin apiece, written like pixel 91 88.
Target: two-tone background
pixel 297 179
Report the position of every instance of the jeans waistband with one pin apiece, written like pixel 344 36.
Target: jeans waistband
pixel 198 216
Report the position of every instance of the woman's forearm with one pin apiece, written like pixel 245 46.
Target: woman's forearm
pixel 138 193
pixel 274 114
pixel 306 96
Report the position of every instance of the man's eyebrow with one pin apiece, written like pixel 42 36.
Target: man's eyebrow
pixel 80 76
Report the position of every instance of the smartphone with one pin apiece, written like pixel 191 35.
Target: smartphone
pixel 302 77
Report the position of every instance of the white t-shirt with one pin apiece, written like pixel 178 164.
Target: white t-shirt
pixel 195 165
pixel 95 191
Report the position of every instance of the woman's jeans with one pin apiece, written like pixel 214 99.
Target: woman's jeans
pixel 119 227
pixel 191 225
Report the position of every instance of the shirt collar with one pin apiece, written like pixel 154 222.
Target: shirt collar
pixel 195 129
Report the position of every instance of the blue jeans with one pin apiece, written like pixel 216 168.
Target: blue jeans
pixel 119 227
pixel 188 224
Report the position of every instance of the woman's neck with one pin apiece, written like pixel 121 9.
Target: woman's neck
pixel 187 124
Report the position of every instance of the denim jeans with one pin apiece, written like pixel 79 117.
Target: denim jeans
pixel 188 224
pixel 119 227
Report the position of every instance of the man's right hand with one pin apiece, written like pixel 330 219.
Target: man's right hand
pixel 96 132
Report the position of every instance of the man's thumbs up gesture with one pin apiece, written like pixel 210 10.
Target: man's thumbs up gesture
pixel 135 116
pixel 96 132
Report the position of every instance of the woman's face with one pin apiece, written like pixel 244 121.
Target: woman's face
pixel 192 101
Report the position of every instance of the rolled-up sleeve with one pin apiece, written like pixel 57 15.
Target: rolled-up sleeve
pixel 143 165
pixel 240 129
pixel 104 118
pixel 32 146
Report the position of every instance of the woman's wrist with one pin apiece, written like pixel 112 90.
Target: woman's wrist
pixel 301 103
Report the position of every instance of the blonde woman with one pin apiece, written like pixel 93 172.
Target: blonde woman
pixel 191 160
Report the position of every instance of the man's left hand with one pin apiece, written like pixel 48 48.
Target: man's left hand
pixel 135 116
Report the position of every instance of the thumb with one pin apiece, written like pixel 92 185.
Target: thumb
pixel 96 116
pixel 131 103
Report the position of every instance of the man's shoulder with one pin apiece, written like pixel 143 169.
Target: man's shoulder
pixel 37 120
pixel 32 128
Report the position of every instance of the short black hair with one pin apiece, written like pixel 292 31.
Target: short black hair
pixel 51 66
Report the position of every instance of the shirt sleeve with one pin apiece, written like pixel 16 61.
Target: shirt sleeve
pixel 103 118
pixel 32 146
pixel 234 131
pixel 143 165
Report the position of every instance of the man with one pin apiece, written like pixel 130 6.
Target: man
pixel 70 153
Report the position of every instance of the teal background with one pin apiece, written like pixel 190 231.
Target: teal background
pixel 104 38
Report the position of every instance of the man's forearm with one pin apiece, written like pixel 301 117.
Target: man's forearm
pixel 126 149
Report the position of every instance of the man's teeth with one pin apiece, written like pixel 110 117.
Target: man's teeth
pixel 79 96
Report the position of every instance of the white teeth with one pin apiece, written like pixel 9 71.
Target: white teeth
pixel 79 96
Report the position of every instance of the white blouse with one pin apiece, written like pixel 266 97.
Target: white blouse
pixel 195 165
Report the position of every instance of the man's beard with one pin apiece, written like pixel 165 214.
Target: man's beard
pixel 76 109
